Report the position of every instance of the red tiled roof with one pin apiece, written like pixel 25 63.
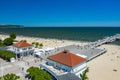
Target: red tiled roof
pixel 22 44
pixel 67 58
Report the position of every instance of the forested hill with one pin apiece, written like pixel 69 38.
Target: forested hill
pixel 11 26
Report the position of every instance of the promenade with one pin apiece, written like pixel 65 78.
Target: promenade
pixel 19 67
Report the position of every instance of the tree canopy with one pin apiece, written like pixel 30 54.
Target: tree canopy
pixel 84 76
pixel 12 35
pixel 8 41
pixel 6 54
pixel 37 44
pixel 38 74
pixel 10 77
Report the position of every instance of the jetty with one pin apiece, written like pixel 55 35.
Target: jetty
pixel 88 51
pixel 104 41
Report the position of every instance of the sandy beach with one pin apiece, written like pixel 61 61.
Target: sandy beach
pixel 54 43
pixel 104 67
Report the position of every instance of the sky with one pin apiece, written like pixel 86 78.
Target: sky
pixel 60 12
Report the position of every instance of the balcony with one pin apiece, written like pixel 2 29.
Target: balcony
pixel 52 70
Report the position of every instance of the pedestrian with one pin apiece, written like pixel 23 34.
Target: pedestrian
pixel 35 61
pixel 22 68
pixel 28 63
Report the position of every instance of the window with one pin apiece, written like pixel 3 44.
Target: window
pixel 24 48
pixel 30 48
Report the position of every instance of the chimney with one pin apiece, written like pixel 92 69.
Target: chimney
pixel 66 51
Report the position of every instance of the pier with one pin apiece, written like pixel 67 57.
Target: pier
pixel 103 41
pixel 90 50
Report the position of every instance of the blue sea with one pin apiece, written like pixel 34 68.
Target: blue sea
pixel 66 33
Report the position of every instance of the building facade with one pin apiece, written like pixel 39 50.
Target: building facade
pixel 22 48
pixel 66 61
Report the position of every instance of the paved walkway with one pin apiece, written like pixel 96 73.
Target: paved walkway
pixel 89 52
pixel 18 67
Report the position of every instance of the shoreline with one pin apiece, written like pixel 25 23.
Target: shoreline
pixel 103 67
pixel 56 39
pixel 47 42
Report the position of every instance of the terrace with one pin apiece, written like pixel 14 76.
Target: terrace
pixel 54 71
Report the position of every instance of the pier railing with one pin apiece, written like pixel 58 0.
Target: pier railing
pixel 90 50
pixel 103 41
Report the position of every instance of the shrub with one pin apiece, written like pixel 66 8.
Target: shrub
pixel 38 74
pixel 12 35
pixel 6 55
pixel 8 41
pixel 10 77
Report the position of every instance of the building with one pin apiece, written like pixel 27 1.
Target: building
pixel 22 48
pixel 65 62
pixel 68 76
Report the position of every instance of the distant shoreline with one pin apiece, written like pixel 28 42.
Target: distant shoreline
pixel 11 26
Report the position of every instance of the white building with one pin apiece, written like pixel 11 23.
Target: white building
pixel 22 48
pixel 66 62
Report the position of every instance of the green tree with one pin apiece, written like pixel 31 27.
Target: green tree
pixel 1 43
pixel 33 43
pixel 6 55
pixel 8 41
pixel 36 44
pixel 38 74
pixel 84 76
pixel 12 35
pixel 10 77
pixel 40 45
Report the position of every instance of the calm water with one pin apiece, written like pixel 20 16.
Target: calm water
pixel 71 33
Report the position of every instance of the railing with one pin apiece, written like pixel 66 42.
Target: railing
pixel 103 51
pixel 23 51
pixel 47 69
pixel 103 41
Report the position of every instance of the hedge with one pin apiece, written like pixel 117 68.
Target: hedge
pixel 6 54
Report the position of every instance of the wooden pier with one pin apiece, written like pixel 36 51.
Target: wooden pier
pixel 90 50
pixel 104 41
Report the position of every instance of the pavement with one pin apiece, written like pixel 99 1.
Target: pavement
pixel 19 67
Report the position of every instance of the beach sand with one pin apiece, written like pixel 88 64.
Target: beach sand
pixel 106 66
pixel 53 43
pixel 103 67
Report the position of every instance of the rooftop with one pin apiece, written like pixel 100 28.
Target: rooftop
pixel 22 44
pixel 67 58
